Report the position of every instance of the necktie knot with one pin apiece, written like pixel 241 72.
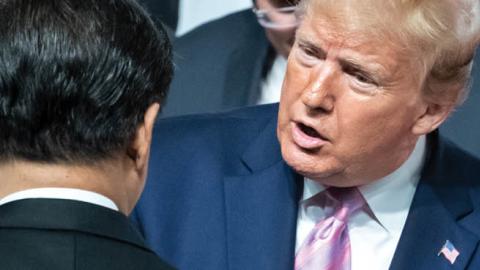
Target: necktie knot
pixel 346 201
pixel 328 244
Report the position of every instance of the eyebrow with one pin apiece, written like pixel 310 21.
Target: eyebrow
pixel 345 63
pixel 306 43
pixel 353 66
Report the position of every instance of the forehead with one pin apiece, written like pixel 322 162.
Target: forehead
pixel 327 33
pixel 368 18
pixel 374 52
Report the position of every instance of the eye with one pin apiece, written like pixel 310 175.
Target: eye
pixel 361 81
pixel 307 55
pixel 309 52
pixel 362 78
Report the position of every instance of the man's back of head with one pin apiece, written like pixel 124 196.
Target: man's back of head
pixel 76 79
pixel 81 83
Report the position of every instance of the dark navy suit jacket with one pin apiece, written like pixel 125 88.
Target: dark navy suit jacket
pixel 219 196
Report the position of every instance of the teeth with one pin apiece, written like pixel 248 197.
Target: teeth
pixel 309 131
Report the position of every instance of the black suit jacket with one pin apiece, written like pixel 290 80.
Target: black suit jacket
pixel 50 234
pixel 219 66
pixel 219 196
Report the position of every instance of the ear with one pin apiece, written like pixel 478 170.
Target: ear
pixel 139 149
pixel 431 118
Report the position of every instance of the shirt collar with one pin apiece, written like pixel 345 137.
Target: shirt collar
pixel 61 193
pixel 390 197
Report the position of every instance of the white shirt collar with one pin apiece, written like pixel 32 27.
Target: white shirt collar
pixel 271 86
pixel 390 197
pixel 61 193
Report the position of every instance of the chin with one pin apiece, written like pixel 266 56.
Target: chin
pixel 322 169
pixel 329 177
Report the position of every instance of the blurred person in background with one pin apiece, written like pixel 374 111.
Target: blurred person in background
pixel 181 16
pixel 81 83
pixel 164 12
pixel 234 61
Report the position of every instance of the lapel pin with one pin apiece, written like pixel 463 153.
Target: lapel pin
pixel 449 252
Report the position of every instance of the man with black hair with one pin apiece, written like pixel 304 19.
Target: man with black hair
pixel 81 83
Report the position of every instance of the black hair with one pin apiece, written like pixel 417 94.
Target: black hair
pixel 76 77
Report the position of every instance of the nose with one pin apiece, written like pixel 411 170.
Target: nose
pixel 318 96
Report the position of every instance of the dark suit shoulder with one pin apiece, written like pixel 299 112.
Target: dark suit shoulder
pixel 218 66
pixel 222 31
pixel 454 155
pixel 59 234
pixel 34 249
pixel 94 252
pixel 216 128
pixel 454 175
pixel 464 167
pixel 258 112
pixel 216 141
pixel 189 160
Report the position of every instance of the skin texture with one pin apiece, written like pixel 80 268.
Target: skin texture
pixel 281 39
pixel 361 98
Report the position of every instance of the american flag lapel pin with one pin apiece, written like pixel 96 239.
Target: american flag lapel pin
pixel 449 252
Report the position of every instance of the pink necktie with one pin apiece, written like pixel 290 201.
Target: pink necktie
pixel 327 247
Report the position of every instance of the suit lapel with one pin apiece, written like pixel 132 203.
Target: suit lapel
pixel 441 211
pixel 261 208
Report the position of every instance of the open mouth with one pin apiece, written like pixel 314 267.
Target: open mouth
pixel 306 137
pixel 309 131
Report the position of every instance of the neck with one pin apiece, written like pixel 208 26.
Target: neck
pixel 105 179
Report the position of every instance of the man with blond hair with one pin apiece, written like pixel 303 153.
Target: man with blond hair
pixel 349 171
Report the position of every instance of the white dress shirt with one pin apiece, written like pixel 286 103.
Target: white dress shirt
pixel 193 13
pixel 271 86
pixel 373 239
pixel 61 193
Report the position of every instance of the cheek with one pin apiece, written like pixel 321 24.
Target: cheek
pixel 292 85
pixel 379 111
pixel 369 128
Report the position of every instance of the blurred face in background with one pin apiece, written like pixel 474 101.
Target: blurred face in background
pixel 279 21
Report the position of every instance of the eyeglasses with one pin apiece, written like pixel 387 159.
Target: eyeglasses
pixel 278 18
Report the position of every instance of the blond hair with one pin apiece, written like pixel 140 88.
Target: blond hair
pixel 443 34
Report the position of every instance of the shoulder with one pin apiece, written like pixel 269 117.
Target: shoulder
pixel 226 30
pixel 67 246
pixel 220 37
pixel 451 153
pixel 240 121
pixel 457 169
pixel 210 134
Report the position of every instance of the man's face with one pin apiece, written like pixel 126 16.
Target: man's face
pixel 348 107
pixel 281 39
